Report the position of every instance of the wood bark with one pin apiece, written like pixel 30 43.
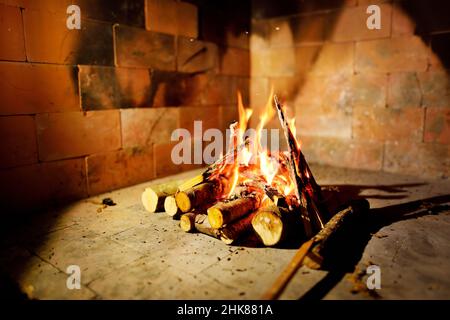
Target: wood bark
pixel 198 196
pixel 153 196
pixel 223 213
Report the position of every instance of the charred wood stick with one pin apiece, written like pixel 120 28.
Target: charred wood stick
pixel 223 213
pixel 331 229
pixel 153 196
pixel 321 246
pixel 198 196
pixel 307 216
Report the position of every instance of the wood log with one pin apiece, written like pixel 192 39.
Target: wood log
pixel 198 196
pixel 171 208
pixel 187 221
pixel 237 229
pixel 274 224
pixel 153 196
pixel 223 213
pixel 192 221
pixel 311 216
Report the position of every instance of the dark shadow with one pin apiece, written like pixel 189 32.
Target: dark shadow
pixel 346 250
pixel 431 18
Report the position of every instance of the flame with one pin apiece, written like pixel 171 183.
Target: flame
pixel 244 117
pixel 255 164
pixel 234 181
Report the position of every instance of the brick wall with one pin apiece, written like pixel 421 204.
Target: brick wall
pixel 87 111
pixel 371 99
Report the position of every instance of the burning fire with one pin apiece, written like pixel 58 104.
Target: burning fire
pixel 255 167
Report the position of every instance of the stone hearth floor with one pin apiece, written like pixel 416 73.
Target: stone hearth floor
pixel 126 253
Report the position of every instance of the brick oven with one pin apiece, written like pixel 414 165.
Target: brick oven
pixel 92 92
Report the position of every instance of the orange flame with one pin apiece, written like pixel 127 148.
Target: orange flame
pixel 267 167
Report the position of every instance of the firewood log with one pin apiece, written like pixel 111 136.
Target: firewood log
pixel 306 193
pixel 198 196
pixel 237 229
pixel 192 221
pixel 187 222
pixel 223 213
pixel 171 208
pixel 274 224
pixel 153 196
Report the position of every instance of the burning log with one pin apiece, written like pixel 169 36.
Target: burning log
pixel 274 224
pixel 311 216
pixel 223 213
pixel 198 196
pixel 153 197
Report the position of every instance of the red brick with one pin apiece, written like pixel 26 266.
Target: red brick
pixel 195 56
pixel 311 29
pixel 334 58
pixel 404 90
pixel 127 12
pixel 281 62
pixel 118 169
pixel 216 90
pixel 235 62
pixel 187 19
pixel 259 91
pixel 242 84
pixel 147 126
pixel 46 5
pixel 163 163
pixel 161 16
pixel 135 47
pixel 110 88
pixel 306 56
pixel 14 3
pixel 18 143
pixel 286 88
pixel 210 117
pixel 260 64
pixel 435 87
pixel 387 55
pixel 332 90
pixel 48 40
pixel 12 43
pixel 323 121
pixel 259 39
pixel 437 125
pixel 369 90
pixel 419 159
pixel 402 23
pixel 351 24
pixel 39 185
pixel 167 16
pixel 386 124
pixel 34 88
pixel 72 134
pixel 343 152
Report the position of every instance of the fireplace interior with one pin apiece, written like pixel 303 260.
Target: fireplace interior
pixel 92 95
